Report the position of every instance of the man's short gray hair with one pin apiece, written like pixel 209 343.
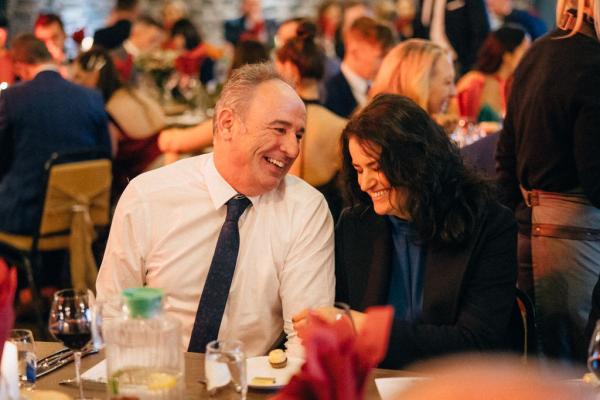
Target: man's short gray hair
pixel 239 88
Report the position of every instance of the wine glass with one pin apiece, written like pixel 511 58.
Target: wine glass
pixel 343 313
pixel 71 323
pixel 594 352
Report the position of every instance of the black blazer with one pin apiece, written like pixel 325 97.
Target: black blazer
pixel 339 98
pixel 467 26
pixel 468 293
pixel 113 36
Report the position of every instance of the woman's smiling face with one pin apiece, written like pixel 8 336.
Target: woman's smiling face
pixel 387 200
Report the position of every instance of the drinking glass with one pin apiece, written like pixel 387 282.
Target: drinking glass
pixel 225 369
pixel 594 352
pixel 71 323
pixel 343 313
pixel 23 339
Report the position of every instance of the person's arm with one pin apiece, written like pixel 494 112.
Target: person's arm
pixel 124 258
pixel 307 279
pixel 186 140
pixel 506 165
pixel 485 304
pixel 586 137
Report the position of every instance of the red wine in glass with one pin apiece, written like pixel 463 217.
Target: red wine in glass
pixel 74 334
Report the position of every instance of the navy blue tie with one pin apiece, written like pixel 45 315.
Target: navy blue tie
pixel 216 289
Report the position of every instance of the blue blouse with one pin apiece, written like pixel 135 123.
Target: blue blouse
pixel 408 270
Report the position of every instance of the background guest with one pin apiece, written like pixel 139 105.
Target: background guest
pixel 39 117
pixel 420 70
pixel 146 36
pixel 135 119
pixel 49 29
pixel 503 12
pixel 480 93
pixel 184 37
pixel 458 26
pixel 121 18
pixel 252 25
pixel 548 169
pixel 329 18
pixel 366 44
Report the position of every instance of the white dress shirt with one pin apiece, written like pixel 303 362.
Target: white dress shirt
pixel 164 233
pixel 358 85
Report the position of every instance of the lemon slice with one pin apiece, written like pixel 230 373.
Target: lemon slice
pixel 161 381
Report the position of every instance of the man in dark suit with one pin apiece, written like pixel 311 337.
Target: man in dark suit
pixel 124 13
pixel 38 117
pixel 251 25
pixel 461 25
pixel 366 43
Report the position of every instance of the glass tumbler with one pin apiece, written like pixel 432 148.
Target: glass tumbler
pixel 27 361
pixel 225 369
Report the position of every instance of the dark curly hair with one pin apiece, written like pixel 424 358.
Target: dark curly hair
pixel 445 198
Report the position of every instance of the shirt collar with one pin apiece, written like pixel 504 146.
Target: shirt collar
pixel 219 190
pixel 358 85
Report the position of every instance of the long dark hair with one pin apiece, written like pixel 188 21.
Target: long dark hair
pixel 505 39
pixel 97 58
pixel 187 29
pixel 303 52
pixel 444 197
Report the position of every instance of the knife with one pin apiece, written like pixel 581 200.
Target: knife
pixel 88 384
pixel 59 361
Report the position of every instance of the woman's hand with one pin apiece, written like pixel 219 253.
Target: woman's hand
pixel 328 314
pixel 168 140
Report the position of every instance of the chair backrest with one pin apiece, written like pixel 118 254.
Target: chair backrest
pixel 521 335
pixel 76 184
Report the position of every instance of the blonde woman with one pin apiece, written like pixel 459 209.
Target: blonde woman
pixel 548 171
pixel 418 69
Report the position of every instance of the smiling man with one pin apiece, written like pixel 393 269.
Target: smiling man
pixel 237 246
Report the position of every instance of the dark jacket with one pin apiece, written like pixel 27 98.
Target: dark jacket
pixel 339 98
pixel 550 140
pixel 113 36
pixel 235 28
pixel 467 26
pixel 468 293
pixel 37 118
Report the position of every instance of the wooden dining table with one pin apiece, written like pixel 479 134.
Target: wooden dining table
pixel 194 373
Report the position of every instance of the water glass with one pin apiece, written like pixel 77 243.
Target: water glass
pixel 225 369
pixel 27 361
pixel 594 352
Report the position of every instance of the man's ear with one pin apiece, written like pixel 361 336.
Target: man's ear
pixel 225 120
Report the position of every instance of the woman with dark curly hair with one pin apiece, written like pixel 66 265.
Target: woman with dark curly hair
pixel 424 235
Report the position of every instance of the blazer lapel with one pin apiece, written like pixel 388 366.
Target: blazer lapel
pixel 372 262
pixel 444 276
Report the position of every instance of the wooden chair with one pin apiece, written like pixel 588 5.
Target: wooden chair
pixel 76 200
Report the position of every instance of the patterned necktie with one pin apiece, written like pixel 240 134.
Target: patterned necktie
pixel 216 289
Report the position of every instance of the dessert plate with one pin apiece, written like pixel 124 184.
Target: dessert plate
pixel 259 367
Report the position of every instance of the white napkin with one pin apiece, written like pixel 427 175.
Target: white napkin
pixel 390 388
pixel 96 373
pixel 9 372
